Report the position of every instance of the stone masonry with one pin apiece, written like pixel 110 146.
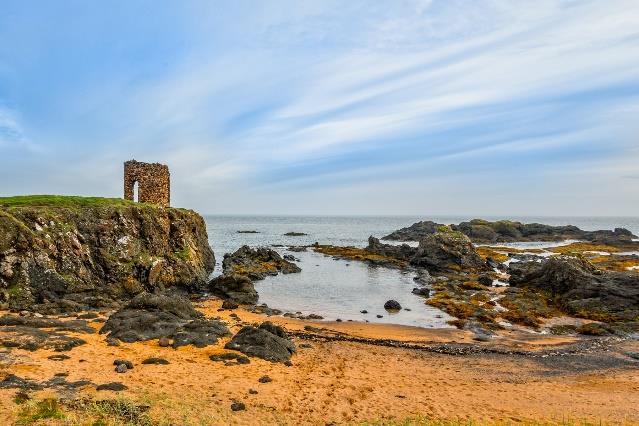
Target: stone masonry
pixel 154 182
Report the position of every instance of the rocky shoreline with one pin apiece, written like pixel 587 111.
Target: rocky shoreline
pixel 97 276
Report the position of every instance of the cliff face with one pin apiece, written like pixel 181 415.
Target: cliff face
pixel 70 253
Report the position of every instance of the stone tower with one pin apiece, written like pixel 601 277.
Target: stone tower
pixel 153 179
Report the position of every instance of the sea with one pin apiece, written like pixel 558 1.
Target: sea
pixel 341 289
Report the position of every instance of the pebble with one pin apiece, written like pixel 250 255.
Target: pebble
pixel 238 406
pixel 120 368
pixel 164 342
pixel 265 379
pixel 128 364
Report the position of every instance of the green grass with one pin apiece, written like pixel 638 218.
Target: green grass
pixel 35 411
pixel 63 201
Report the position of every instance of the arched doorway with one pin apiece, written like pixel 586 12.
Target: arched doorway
pixel 136 191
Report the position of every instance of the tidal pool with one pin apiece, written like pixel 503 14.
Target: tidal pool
pixel 341 289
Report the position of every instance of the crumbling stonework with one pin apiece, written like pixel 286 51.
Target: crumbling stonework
pixel 154 182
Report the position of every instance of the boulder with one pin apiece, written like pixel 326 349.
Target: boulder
pixel 267 341
pixel 392 305
pixel 235 288
pixel 447 251
pixel 153 316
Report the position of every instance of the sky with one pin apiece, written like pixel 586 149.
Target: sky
pixel 405 107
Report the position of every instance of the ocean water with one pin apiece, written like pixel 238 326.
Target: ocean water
pixel 341 289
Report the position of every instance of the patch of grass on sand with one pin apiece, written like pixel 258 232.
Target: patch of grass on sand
pixel 82 411
pixel 360 254
pixel 34 411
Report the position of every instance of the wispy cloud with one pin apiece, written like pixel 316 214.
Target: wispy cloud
pixel 335 96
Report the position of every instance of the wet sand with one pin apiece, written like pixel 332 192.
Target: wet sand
pixel 348 382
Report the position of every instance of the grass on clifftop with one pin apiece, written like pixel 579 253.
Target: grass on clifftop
pixel 64 201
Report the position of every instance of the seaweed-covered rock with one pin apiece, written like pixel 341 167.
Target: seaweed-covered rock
pixel 61 254
pixel 267 341
pixel 580 288
pixel 447 250
pixel 152 316
pixel 256 263
pixel 234 287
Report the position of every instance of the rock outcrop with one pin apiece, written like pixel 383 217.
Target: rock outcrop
pixel 154 316
pixel 242 267
pixel 447 250
pixel 580 288
pixel 257 263
pixel 60 254
pixel 504 231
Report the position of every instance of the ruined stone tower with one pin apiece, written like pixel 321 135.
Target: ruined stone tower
pixel 153 179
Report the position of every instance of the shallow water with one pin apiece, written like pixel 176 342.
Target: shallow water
pixel 335 290
pixel 341 289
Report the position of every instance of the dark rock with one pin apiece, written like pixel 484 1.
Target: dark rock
pixel 447 251
pixel 580 289
pixel 31 339
pixel 113 386
pixel 238 406
pixel 633 355
pixel 121 368
pixel 380 316
pixel 268 341
pixel 364 311
pixel 295 234
pixel 485 280
pixel 485 232
pixel 112 342
pixel 338 320
pixel 229 304
pixel 152 316
pixel 392 305
pixel 247 232
pixel 415 232
pixel 233 287
pixel 402 252
pixel 265 379
pixel 256 263
pixel 155 361
pixel 88 315
pixel 126 362
pixel 164 342
pixel 423 278
pixel 306 346
pixel 252 391
pixel 422 291
pixel 288 363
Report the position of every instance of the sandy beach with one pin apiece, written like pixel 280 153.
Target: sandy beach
pixel 515 378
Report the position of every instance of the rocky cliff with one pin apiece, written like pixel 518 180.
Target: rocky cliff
pixel 73 253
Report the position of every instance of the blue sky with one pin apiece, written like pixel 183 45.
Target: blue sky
pixel 424 107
